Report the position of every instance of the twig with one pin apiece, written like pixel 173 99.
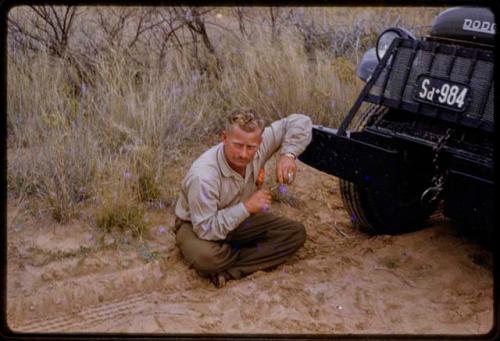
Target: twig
pixel 159 323
pixel 272 188
pixel 341 232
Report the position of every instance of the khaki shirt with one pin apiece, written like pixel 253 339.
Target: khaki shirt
pixel 212 193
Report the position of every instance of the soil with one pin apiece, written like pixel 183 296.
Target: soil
pixel 71 278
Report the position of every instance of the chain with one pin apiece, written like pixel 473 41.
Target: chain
pixel 432 193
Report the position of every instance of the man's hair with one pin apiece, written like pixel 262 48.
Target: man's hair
pixel 246 119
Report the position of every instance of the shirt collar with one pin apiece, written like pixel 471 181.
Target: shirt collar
pixel 227 171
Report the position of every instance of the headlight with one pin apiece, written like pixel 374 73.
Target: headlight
pixel 385 39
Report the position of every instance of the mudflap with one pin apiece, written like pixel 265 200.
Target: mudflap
pixel 352 159
pixel 470 199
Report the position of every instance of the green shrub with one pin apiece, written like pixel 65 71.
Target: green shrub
pixel 124 217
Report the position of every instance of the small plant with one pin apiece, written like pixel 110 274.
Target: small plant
pixel 119 207
pixel 122 216
pixel 61 207
pixel 147 254
pixel 391 262
pixel 145 160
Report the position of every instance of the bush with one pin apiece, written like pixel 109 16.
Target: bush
pixel 60 172
pixel 118 206
pixel 125 217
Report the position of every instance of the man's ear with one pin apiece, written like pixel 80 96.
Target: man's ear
pixel 223 136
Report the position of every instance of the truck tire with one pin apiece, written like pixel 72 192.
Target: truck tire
pixel 381 213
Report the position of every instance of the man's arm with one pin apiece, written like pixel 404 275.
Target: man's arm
pixel 291 135
pixel 209 223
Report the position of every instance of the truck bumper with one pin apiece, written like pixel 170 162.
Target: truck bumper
pixel 351 159
pixel 380 163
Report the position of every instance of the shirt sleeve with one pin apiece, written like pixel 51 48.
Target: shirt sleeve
pixel 208 221
pixel 292 134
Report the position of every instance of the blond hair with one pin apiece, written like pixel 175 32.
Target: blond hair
pixel 246 119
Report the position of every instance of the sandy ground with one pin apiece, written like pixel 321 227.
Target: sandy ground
pixel 69 279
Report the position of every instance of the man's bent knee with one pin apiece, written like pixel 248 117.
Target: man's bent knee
pixel 293 231
pixel 211 258
pixel 206 260
pixel 203 255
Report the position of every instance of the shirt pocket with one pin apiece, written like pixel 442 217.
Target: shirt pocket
pixel 230 192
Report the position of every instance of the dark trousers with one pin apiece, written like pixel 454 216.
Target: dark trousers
pixel 262 241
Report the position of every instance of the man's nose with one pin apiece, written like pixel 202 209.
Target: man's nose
pixel 244 153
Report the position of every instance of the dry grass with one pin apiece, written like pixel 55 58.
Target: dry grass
pixel 110 128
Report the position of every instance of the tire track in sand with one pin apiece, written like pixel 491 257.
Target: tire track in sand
pixel 80 321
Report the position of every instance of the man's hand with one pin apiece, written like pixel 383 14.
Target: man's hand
pixel 260 201
pixel 285 169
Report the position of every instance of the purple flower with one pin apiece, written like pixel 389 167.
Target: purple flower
pixel 177 90
pixel 282 189
pixel 195 77
pixel 162 229
pixel 127 174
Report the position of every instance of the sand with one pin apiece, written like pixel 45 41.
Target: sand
pixel 70 278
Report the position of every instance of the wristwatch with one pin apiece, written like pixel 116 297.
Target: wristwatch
pixel 290 155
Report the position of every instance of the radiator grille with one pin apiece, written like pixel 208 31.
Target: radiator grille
pixel 395 83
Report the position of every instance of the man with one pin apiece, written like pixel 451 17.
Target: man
pixel 224 228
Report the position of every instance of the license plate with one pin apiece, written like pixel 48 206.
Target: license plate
pixel 443 93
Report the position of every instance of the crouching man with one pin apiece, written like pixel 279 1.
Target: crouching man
pixel 224 228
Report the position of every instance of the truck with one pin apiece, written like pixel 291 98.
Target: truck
pixel 420 135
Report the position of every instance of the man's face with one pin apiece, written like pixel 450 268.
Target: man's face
pixel 240 146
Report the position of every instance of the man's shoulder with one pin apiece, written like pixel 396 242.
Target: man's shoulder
pixel 206 164
pixel 208 157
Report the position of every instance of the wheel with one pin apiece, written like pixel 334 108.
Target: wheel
pixel 383 213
